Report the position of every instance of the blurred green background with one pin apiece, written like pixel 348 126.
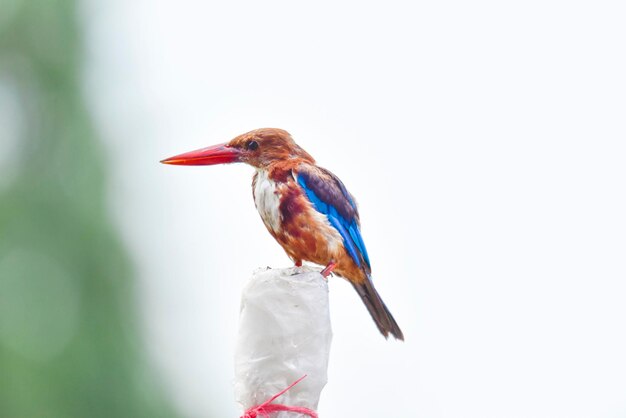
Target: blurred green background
pixel 69 343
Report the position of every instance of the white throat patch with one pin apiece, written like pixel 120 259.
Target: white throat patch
pixel 267 200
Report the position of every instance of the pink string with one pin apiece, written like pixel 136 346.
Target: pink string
pixel 268 407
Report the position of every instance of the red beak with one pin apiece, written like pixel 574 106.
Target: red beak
pixel 216 154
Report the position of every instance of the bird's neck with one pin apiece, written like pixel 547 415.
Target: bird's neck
pixel 281 170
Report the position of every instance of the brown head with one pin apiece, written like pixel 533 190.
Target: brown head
pixel 259 148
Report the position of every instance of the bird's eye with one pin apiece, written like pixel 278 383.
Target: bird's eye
pixel 252 145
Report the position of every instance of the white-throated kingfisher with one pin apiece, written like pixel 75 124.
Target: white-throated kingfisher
pixel 306 208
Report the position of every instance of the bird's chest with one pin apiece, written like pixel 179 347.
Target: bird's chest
pixel 267 200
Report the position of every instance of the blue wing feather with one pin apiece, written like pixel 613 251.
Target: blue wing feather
pixel 355 233
pixel 340 210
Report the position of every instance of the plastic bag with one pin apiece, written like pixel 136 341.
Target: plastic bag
pixel 284 333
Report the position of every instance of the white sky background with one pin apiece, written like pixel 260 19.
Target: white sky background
pixel 484 141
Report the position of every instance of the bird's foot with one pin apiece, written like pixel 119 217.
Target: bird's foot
pixel 297 267
pixel 329 269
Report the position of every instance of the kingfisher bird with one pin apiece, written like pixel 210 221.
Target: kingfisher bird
pixel 305 207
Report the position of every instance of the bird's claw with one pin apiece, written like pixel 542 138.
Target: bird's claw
pixel 328 269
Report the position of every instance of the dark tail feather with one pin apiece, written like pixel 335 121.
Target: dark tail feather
pixel 376 307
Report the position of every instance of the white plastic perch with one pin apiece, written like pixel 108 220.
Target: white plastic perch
pixel 284 333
